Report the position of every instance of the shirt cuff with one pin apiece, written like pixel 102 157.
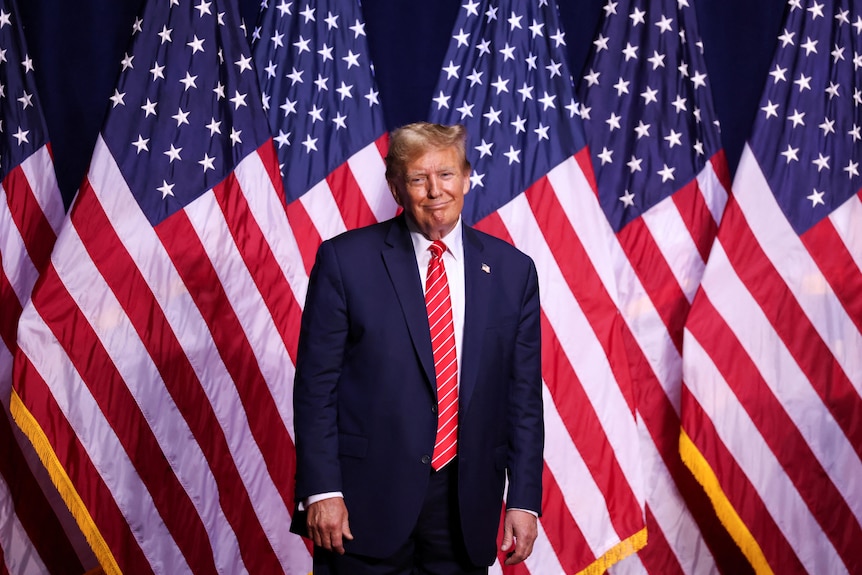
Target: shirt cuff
pixel 530 511
pixel 303 505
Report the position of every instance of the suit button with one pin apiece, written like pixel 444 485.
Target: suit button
pixel 426 459
pixel 434 409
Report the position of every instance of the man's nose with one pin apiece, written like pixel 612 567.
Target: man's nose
pixel 434 188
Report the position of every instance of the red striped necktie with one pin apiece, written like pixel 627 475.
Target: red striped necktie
pixel 445 360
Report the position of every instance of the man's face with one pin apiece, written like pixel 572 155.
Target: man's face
pixel 432 192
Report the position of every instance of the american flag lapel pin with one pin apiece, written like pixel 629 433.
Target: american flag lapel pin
pixel 486 268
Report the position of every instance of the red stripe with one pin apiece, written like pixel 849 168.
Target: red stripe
pixel 493 224
pixel 823 499
pixel 31 506
pixel 520 568
pixel 27 214
pixel 382 144
pixel 581 278
pixel 11 311
pixel 655 275
pixel 144 312
pixel 349 198
pixel 694 211
pixel 97 370
pixel 71 455
pixel 269 157
pixel 266 273
pixel 198 274
pixel 721 169
pixel 588 435
pixel 738 489
pixel 838 266
pixel 306 234
pixel 566 538
pixel 792 325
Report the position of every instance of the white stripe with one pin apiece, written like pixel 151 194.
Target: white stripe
pixel 323 210
pixel 19 554
pixel 846 221
pixel 576 335
pixel 796 267
pixel 713 191
pixel 99 441
pixel 39 171
pixel 674 241
pixel 584 499
pixel 785 379
pixel 544 560
pixel 755 458
pixel 369 170
pixel 17 266
pixel 272 219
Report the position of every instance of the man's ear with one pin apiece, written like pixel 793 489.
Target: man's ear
pixel 393 189
pixel 467 182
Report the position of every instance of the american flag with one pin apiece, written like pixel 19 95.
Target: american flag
pixel 772 403
pixel 324 111
pixel 662 184
pixel 506 79
pixel 33 538
pixel 151 357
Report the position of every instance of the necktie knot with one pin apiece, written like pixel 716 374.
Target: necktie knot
pixel 437 248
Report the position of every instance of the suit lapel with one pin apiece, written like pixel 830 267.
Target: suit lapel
pixel 400 261
pixel 477 286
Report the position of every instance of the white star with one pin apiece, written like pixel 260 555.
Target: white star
pixel 310 144
pixel 797 118
pixel 238 100
pixel 821 162
pixel 484 148
pixel 530 60
pixel 325 52
pixel 149 108
pixel 514 21
pixel 628 199
pixel 207 163
pixel 344 91
pixel 166 189
pixel 837 53
pixel 5 19
pixel 554 68
pixel 673 139
pixel 657 60
pixel 606 156
pixel 559 39
pixel 371 96
pixel 141 144
pixel 592 78
pixel 165 34
pixel 804 82
pixel 470 7
pixel 501 85
pixel 204 7
pixel 610 8
pixel 27 63
pixel 476 180
pixel 451 70
pixel 340 121
pixel 513 155
pixel 518 124
pixel 542 132
pixel 358 29
pixel 321 82
pixel 852 169
pixel 295 76
pixel 666 173
pixel 536 28
pixel 277 39
pixel 117 98
pixel 508 52
pixel 465 110
pixel 21 136
pixel 442 100
pixel 244 63
pixel 127 62
pixel 351 59
pixel 634 164
pixel 302 45
pixel 827 126
pixel 622 87
pixel 173 153
pixel 699 80
pixel 642 129
pixel 679 104
pixel 786 38
pixel 492 116
pixel 289 107
pixel 181 117
pixel 189 81
pixel 630 51
pixel 484 47
pixel 816 10
pixel 664 24
pixel 613 121
pixel 214 127
pixel 526 92
pixel 157 71
pixel 475 78
pixel 235 136
pixel 816 198
pixel 462 38
pixel 316 114
pixel 548 101
pixel 270 69
pixel 649 96
pixel 637 17
pixel 197 45
pixel 854 132
pixel 282 139
pixel 308 14
pixel 832 90
pixel 26 100
pixel 790 153
pixel 331 21
pixel 601 43
pixel 219 90
pixel 770 109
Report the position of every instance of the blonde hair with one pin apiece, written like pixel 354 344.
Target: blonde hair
pixel 411 141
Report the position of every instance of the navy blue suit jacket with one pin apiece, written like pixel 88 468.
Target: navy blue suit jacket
pixel 365 391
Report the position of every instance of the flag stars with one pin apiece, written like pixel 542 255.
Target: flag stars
pixel 508 52
pixel 816 11
pixel 181 117
pixel 470 7
pixel 244 63
pixel 542 132
pixel 371 96
pixel 331 20
pixel 664 25
pixel 21 136
pixel 316 114
pixel 642 130
pixel 804 82
pixel 462 38
pixel 189 82
pixel 141 144
pixel 786 38
pixel 601 43
pixel 634 164
pixel 537 28
pixel 680 104
pixel 592 78
pixel 630 52
pixel 828 126
pixel 514 21
pixel 5 19
pixel 302 45
pixel 673 139
pixel 283 139
pixel 837 53
pixel 197 44
pixel 321 83
pixel 548 101
pixel 451 70
pixel 822 162
pixel 526 92
pixel 797 118
pixel 637 17
pixel 809 46
pixel 622 87
pixel 351 59
pixel 519 124
pixel 235 136
pixel 559 39
pixel 310 144
pixel 493 116
pixel 238 100
pixel 649 95
pixel 832 90
pixel 442 100
pixel 852 169
pixel 699 80
pixel 214 127
pixel 854 133
pixel 554 69
pixel 295 76
pixel 501 85
pixel 666 173
pixel 173 153
pixel 166 189
pixel 277 39
pixel 513 155
pixel 358 29
pixel 484 148
pixel 157 71
pixel 476 180
pixel 219 91
pixel 325 52
pixel 857 61
pixel 308 14
pixel 126 62
pixel 475 78
pixel 657 60
pixel 628 199
pixel 816 198
pixel 613 122
pixel 790 154
pixel 207 163
pixel 465 110
pixel 117 98
pixel 345 91
pixel 149 108
pixel 606 156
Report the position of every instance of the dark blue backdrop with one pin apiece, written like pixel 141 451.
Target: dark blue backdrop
pixel 77 46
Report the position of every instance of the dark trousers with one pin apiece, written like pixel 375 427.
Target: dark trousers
pixel 436 546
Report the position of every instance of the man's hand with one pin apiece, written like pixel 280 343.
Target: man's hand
pixel 519 528
pixel 327 524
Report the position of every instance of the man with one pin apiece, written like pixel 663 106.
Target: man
pixel 404 320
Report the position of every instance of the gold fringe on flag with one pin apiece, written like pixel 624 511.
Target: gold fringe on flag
pixel 617 553
pixel 42 446
pixel 700 468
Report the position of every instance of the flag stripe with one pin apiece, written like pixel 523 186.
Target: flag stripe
pixel 368 168
pixel 37 236
pixel 774 427
pixel 791 324
pixel 355 211
pixel 744 498
pixel 564 535
pixel 108 514
pixel 307 236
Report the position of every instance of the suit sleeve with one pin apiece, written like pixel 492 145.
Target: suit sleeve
pixel 322 340
pixel 525 411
